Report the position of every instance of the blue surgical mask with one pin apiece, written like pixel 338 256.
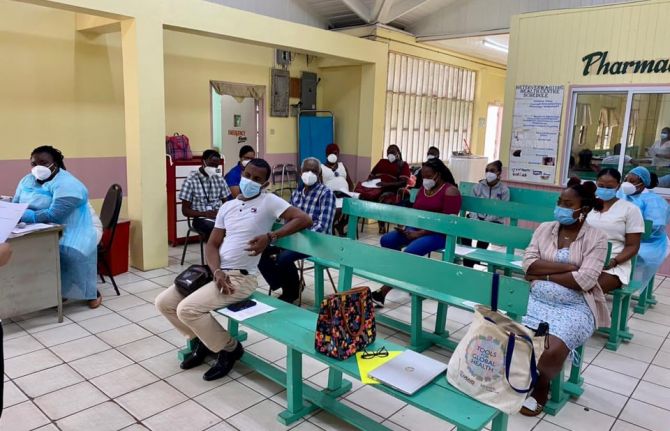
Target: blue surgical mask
pixel 664 136
pixel 564 215
pixel 605 194
pixel 249 188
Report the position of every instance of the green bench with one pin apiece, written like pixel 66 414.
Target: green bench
pixel 295 327
pixel 537 198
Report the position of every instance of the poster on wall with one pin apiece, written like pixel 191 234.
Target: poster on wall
pixel 535 129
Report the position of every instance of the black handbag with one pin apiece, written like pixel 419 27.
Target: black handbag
pixel 193 279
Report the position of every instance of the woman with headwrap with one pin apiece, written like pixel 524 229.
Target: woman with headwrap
pixel 653 249
pixel 336 177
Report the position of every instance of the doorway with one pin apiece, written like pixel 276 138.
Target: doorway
pixel 493 132
pixel 236 120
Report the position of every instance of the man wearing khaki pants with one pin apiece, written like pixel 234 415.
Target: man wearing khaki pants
pixel 241 232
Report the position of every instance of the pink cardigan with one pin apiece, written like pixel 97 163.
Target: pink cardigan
pixel 588 252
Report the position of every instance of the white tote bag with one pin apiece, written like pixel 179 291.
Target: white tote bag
pixel 496 361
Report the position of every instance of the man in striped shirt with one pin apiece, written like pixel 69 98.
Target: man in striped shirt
pixel 317 200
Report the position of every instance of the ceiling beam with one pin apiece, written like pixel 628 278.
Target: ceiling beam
pixel 398 8
pixel 380 6
pixel 360 9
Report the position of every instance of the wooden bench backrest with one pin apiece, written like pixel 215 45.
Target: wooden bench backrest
pixel 453 226
pixel 424 273
pixel 515 211
pixel 521 195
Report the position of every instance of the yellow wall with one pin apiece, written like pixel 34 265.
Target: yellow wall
pixel 547 48
pixel 340 89
pixel 192 61
pixel 490 79
pixel 58 86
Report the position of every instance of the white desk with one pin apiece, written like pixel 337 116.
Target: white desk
pixel 31 280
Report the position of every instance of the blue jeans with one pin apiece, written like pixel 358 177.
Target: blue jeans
pixel 420 246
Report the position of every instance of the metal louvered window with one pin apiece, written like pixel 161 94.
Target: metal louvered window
pixel 427 104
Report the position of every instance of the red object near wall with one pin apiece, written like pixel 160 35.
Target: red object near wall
pixel 118 254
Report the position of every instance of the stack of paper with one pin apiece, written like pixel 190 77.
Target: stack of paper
pixel 10 214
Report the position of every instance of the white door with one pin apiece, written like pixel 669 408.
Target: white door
pixel 239 127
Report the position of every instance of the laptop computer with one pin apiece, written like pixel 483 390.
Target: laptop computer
pixel 408 372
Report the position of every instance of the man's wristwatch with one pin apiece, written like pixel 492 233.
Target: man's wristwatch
pixel 272 237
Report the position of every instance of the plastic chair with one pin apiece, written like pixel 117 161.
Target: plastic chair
pixel 109 217
pixel 187 240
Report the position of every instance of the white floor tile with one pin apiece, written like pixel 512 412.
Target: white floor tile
pixel 105 416
pixel 625 426
pixel 268 349
pixel 601 400
pixel 12 395
pixel 577 418
pixel 123 302
pixel 12 330
pixel 22 417
pixel 186 416
pixel 146 348
pixel 376 401
pixel 229 399
pixel 547 426
pixel 100 363
pixel 658 375
pixel 124 335
pixel 260 384
pixel 412 418
pixel 72 399
pixel 60 335
pixel 156 325
pixel 49 380
pixel 124 380
pixel 164 365
pixel 191 383
pixel 20 346
pixel 151 399
pixel 620 364
pixel 150 295
pixel 104 323
pixel 40 321
pixel 610 380
pixel 651 393
pixel 662 359
pixel 77 349
pixel 31 363
pixel 140 286
pixel 262 416
pixel 646 416
pixel 647 340
pixel 141 312
pixel 636 325
pixel 80 311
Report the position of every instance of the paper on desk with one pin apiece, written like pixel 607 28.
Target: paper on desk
pixel 18 231
pixel 10 214
pixel 518 263
pixel 463 250
pixel 372 184
pixel 367 365
pixel 256 310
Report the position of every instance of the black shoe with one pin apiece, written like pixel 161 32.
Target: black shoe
pixel 287 298
pixel 196 357
pixel 378 299
pixel 224 363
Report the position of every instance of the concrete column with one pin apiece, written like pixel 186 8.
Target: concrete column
pixel 144 92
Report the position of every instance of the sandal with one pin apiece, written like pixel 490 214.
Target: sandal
pixel 531 407
pixel 95 303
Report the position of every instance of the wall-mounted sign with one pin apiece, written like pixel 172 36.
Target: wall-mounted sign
pixel 237 120
pixel 535 128
pixel 233 132
pixel 597 63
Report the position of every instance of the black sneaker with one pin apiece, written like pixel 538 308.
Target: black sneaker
pixel 224 363
pixel 378 299
pixel 196 357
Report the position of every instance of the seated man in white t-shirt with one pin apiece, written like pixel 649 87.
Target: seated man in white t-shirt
pixel 246 224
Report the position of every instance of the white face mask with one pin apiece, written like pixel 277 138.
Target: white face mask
pixel 332 158
pixel 212 171
pixel 428 183
pixel 628 188
pixel 309 178
pixel 491 177
pixel 430 157
pixel 245 162
pixel 392 158
pixel 41 173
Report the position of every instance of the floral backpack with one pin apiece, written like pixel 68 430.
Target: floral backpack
pixel 346 323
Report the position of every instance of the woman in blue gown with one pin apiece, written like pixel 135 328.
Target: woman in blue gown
pixel 54 195
pixel 653 249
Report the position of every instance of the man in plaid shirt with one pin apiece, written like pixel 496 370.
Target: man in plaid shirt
pixel 317 200
pixel 203 192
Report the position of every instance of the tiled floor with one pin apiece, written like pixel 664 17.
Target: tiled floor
pixel 115 368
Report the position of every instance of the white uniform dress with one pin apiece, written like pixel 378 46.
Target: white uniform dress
pixel 623 217
pixel 336 180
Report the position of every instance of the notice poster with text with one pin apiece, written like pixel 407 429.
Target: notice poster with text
pixel 535 129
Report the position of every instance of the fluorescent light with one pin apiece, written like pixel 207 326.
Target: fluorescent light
pixel 493 45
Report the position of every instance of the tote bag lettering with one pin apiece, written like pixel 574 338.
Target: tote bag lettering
pixel 496 361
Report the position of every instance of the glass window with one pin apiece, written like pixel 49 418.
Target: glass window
pixel 597 131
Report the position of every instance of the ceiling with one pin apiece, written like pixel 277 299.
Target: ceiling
pixel 457 25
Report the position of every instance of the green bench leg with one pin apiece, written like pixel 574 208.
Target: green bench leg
pixel 561 391
pixel 624 332
pixel 183 353
pixel 417 341
pixel 500 422
pixel 294 394
pixel 441 320
pixel 646 298
pixel 613 332
pixel 318 286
